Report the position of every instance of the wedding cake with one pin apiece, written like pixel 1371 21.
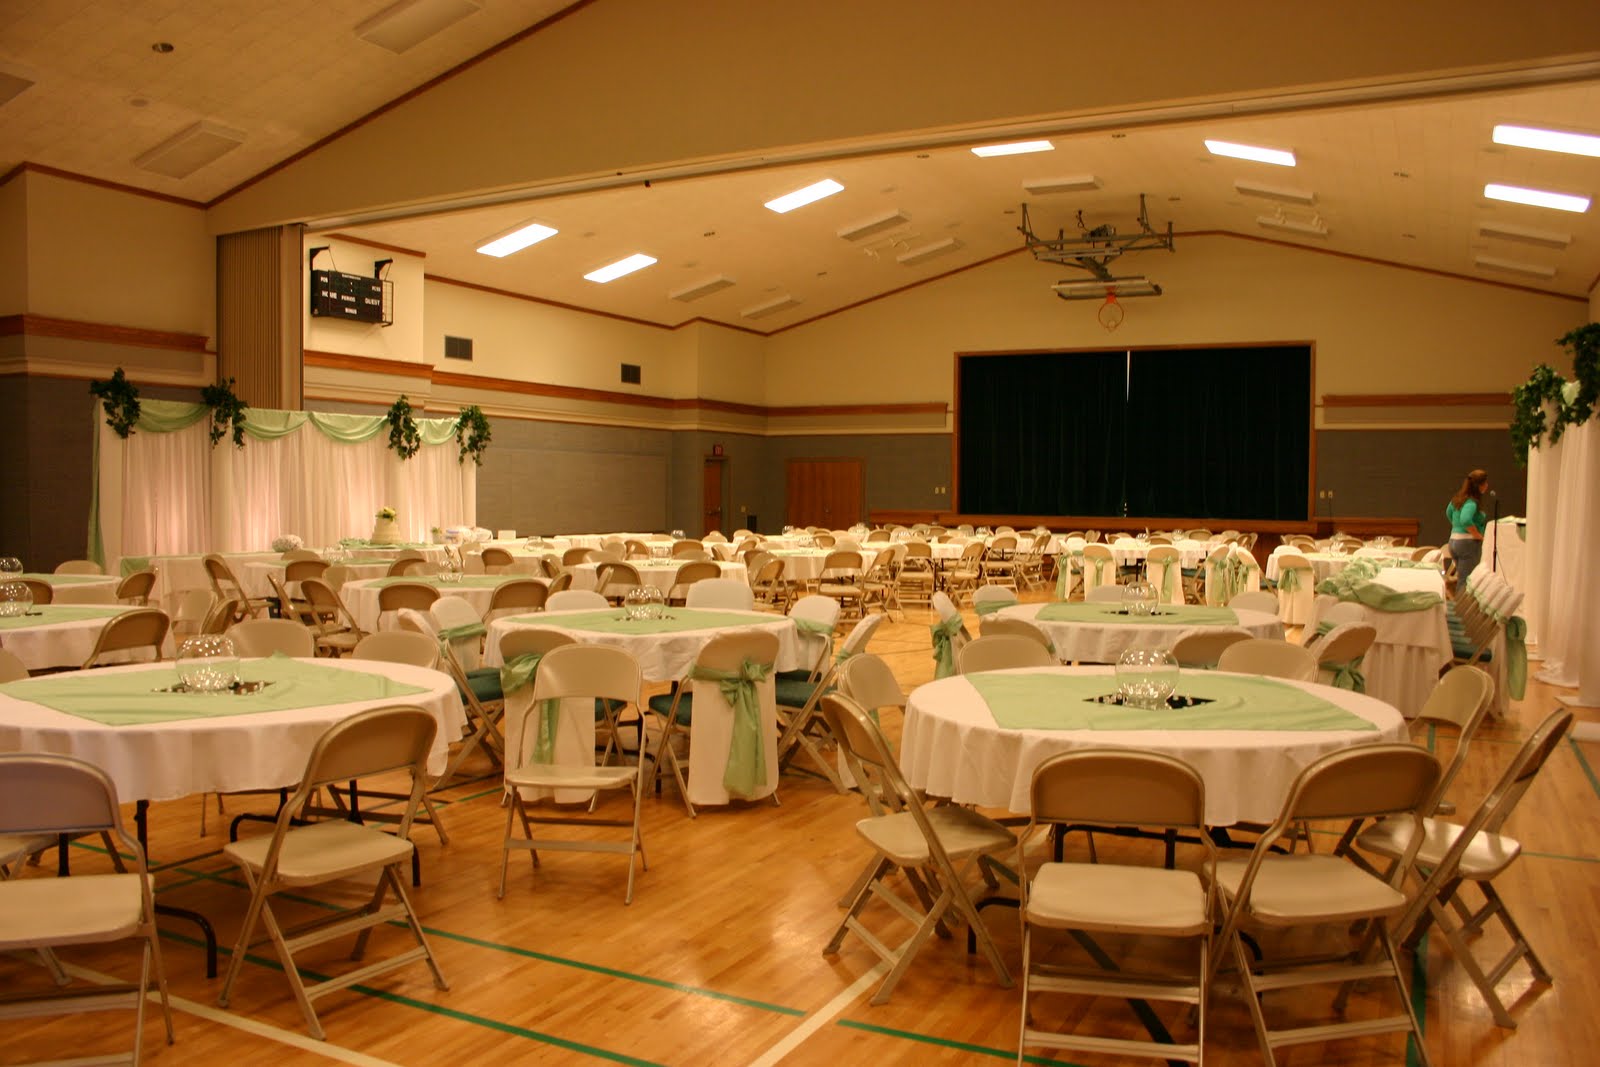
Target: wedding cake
pixel 384 529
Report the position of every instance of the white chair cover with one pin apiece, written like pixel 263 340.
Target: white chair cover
pixel 450 612
pixel 574 740
pixel 711 734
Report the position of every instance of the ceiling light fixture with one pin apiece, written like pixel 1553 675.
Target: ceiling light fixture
pixel 1515 266
pixel 1276 156
pixel 1541 238
pixel 1276 192
pixel 1577 144
pixel 694 292
pixel 1312 227
pixel 401 27
pixel 612 271
pixel 516 240
pixel 926 252
pixel 1536 197
pixel 771 307
pixel 877 224
pixel 1045 186
pixel 1098 288
pixel 190 149
pixel 801 197
pixel 1015 148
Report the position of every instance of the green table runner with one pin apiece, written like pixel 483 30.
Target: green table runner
pixel 678 620
pixel 1170 615
pixel 1065 702
pixel 475 581
pixel 66 579
pixel 50 614
pixel 127 699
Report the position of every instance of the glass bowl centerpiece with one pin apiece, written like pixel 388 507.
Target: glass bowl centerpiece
pixel 10 567
pixel 1146 677
pixel 16 599
pixel 644 602
pixel 208 663
pixel 1140 598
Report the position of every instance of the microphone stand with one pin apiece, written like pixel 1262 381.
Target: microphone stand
pixel 1494 553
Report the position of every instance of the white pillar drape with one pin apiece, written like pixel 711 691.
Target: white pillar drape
pixel 1563 516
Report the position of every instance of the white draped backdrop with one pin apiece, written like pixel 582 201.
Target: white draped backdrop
pixel 166 491
pixel 1563 569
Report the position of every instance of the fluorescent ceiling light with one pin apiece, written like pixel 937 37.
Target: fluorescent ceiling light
pixel 1542 238
pixel 705 288
pixel 190 149
pixel 801 197
pixel 1577 144
pixel 611 272
pixel 1276 192
pixel 877 224
pixel 771 307
pixel 1252 152
pixel 1536 197
pixel 1515 266
pixel 1076 184
pixel 1312 227
pixel 401 27
pixel 1095 288
pixel 518 239
pixel 1015 148
pixel 926 252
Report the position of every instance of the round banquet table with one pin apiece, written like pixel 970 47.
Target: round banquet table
pixel 662 656
pixel 253 577
pixel 1103 640
pixel 951 746
pixel 476 589
pixel 56 635
pixel 805 564
pixel 181 757
pixel 58 582
pixel 662 573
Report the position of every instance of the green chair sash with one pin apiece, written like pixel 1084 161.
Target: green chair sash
pixel 517 672
pixel 989 607
pixel 746 772
pixel 1348 675
pixel 462 632
pixel 944 649
pixel 1289 580
pixel 1517 656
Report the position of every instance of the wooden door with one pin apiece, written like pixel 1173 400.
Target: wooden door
pixel 711 494
pixel 824 492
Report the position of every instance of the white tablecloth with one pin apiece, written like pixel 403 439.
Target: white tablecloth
pixel 58 582
pixel 51 645
pixel 805 564
pixel 161 761
pixel 663 574
pixel 362 597
pixel 176 575
pixel 952 747
pixel 254 576
pixel 1410 650
pixel 663 657
pixel 1104 642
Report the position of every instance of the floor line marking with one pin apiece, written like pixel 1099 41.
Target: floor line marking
pixel 303 1042
pixel 820 1018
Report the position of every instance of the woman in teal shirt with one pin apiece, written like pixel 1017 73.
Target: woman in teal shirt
pixel 1467 524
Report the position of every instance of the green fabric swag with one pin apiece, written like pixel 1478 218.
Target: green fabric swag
pixel 1169 574
pixel 465 630
pixel 1289 579
pixel 169 416
pixel 814 626
pixel 1099 568
pixel 944 649
pixel 1517 656
pixel 746 772
pixel 516 673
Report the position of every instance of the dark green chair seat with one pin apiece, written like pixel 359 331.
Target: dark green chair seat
pixel 485 683
pixel 661 703
pixel 792 692
pixel 798 676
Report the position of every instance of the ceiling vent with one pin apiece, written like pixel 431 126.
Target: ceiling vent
pixel 1276 192
pixel 184 153
pixel 401 27
pixel 706 288
pixel 1541 238
pixel 771 307
pixel 928 251
pixel 875 225
pixel 1515 267
pixel 13 81
pixel 1082 183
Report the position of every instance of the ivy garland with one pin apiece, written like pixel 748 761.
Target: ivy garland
pixel 472 434
pixel 120 399
pixel 1574 401
pixel 403 435
pixel 226 410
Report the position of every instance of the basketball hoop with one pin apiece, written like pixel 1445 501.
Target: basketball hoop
pixel 1111 313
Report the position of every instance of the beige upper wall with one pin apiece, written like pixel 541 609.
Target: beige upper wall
pixel 403 340
pixel 13 248
pixel 628 85
pixel 99 255
pixel 1377 329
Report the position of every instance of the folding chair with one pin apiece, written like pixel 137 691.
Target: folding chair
pixel 924 844
pixel 1276 659
pixel 1200 648
pixel 1339 655
pixel 1000 652
pixel 548 755
pixel 1112 788
pixel 1448 855
pixel 799 704
pixel 480 697
pixel 1278 891
pixel 336 629
pixel 264 637
pixel 295 858
pixel 44 797
pixel 720 593
pixel 135 588
pixel 226 586
pixel 130 631
pixel 517 595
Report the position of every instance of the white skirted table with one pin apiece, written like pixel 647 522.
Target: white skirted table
pixel 476 589
pixel 1100 633
pixel 976 739
pixel 1411 647
pixel 663 573
pixel 256 577
pixel 665 648
pixel 805 564
pixel 78 588
pixel 56 635
pixel 176 575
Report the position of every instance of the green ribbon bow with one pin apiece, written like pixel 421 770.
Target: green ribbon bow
pixel 1517 656
pixel 1289 580
pixel 746 772
pixel 944 649
pixel 1099 568
pixel 843 654
pixel 1348 675
pixel 517 672
pixel 1169 571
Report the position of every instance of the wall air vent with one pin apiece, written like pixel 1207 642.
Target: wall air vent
pixel 457 347
pixel 632 374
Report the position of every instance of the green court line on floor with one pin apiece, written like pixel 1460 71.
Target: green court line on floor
pixel 435 1009
pixel 528 953
pixel 1588 771
pixel 1419 998
pixel 945 1042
